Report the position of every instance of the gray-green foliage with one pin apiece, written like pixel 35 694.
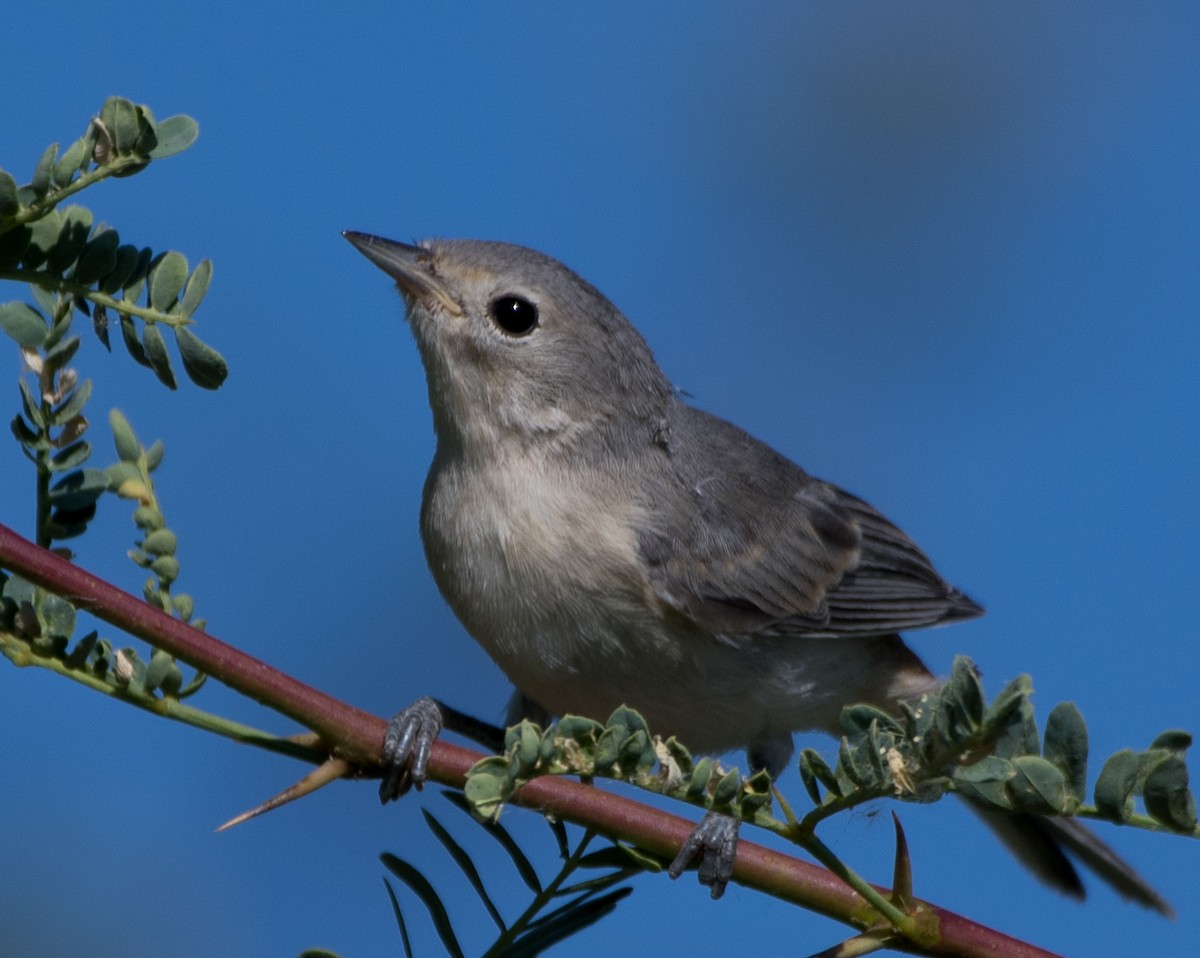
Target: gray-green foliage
pixel 948 741
pixel 76 264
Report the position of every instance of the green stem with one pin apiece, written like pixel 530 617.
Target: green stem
pixel 57 284
pixel 510 935
pixel 19 653
pixel 1135 820
pixel 903 923
pixel 39 208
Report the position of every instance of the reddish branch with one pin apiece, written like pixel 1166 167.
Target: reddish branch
pixel 358 737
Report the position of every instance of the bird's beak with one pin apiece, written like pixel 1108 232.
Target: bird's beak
pixel 409 266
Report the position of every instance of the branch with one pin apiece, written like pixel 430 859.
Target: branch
pixel 357 736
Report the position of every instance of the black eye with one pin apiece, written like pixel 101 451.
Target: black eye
pixel 516 315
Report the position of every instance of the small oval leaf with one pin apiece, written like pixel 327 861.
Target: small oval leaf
pixel 1168 797
pixel 156 356
pixel 1114 787
pixel 9 203
pixel 124 438
pixel 98 258
pixel 1065 744
pixel 24 324
pixel 175 134
pixel 132 343
pixel 40 184
pixel 197 286
pixel 166 280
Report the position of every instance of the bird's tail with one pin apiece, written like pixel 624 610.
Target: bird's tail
pixel 1042 844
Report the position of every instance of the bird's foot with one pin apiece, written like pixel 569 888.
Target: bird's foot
pixel 714 843
pixel 407 746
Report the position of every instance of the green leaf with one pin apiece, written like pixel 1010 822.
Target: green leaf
pixel 564 922
pixel 124 262
pixel 156 356
pixel 1039 786
pixel 30 406
pixel 73 234
pixel 625 721
pixel 400 924
pixel 24 324
pixel 26 436
pixel 814 769
pixel 520 861
pixel 197 286
pixel 465 865
pixel 44 171
pixel 1114 787
pixel 167 277
pixel 961 701
pixel 129 336
pixel 42 239
pixel 986 780
pixel 79 489
pixel 585 731
pixel 124 438
pixel 121 118
pixel 154 455
pixel 204 365
pixel 147 138
pixel 58 616
pixel 73 405
pixel 175 134
pixel 701 775
pixel 727 788
pixel 158 670
pixel 13 245
pixel 856 719
pixel 1066 746
pixel 184 606
pixel 1009 702
pixel 161 542
pixel 1168 797
pixel 61 354
pixel 132 286
pixel 74 455
pixel 608 749
pixel 636 752
pixel 487 786
pixel 70 162
pixel 1173 740
pixel 98 259
pixel 9 203
pixel 424 890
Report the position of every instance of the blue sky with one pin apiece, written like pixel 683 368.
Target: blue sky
pixel 941 255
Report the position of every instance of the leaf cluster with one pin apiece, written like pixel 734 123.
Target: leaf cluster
pixel 950 741
pixel 39 626
pixel 622 748
pixel 70 261
pixel 36 628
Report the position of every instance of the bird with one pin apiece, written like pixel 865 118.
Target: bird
pixel 608 543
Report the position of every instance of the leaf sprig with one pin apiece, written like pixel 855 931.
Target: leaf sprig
pixel 70 261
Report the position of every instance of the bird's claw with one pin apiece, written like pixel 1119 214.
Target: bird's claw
pixel 714 842
pixel 407 746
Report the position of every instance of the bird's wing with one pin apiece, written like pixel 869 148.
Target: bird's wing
pixel 744 542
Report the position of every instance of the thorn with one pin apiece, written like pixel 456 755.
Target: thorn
pixel 864 944
pixel 322 775
pixel 902 884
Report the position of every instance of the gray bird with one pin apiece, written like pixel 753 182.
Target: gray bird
pixel 609 544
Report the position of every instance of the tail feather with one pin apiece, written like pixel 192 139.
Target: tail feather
pixel 1041 844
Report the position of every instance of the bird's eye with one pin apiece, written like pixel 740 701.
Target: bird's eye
pixel 516 315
